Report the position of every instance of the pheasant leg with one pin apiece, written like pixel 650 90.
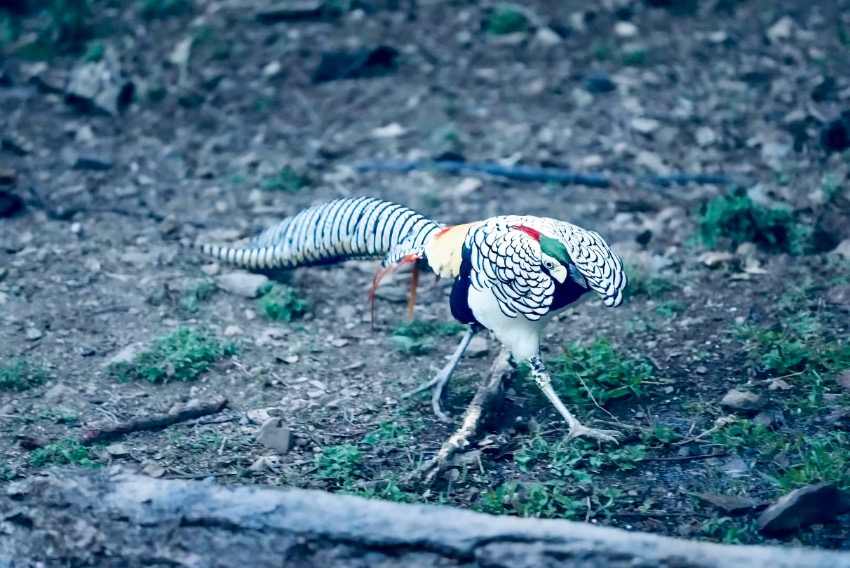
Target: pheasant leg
pixel 439 382
pixel 577 429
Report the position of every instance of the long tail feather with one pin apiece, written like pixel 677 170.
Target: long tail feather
pixel 340 230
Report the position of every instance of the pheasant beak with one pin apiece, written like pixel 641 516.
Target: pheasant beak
pixel 577 276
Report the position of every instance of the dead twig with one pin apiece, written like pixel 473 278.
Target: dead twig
pixel 156 422
pixel 482 401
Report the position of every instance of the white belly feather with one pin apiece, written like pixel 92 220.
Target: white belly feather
pixel 519 334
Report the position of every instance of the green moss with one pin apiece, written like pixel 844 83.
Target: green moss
pixel 182 355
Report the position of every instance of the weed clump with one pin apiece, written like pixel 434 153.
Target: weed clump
pixel 801 350
pixel 584 374
pixel 286 179
pixel 338 464
pixel 734 219
pixel 643 283
pixel 153 9
pixel 182 355
pixel 21 375
pixel 282 303
pixel 417 337
pixel 66 452
pixel 505 20
pixel 64 26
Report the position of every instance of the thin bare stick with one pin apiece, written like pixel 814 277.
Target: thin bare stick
pixel 155 422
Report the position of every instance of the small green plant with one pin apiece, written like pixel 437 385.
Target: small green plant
pixel 20 375
pixel 71 22
pixel 541 500
pixel 734 219
pixel 662 434
pixel 94 51
pixel 417 336
pixel 67 27
pixel 726 530
pixel 62 453
pixel 577 461
pixel 153 9
pixel 634 55
pixel 800 346
pixel 602 49
pixel 202 292
pixel 505 20
pixel 282 303
pixel 61 416
pixel 182 355
pixel 285 179
pixel 338 464
pixel 669 309
pixel 643 283
pixel 584 374
pixel 388 434
pixel 386 490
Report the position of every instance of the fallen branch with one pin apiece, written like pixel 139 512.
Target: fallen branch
pixel 156 422
pixel 112 518
pixel 487 393
pixel 541 174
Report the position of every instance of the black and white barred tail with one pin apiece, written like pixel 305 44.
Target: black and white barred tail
pixel 336 231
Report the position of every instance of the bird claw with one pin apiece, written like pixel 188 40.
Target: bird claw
pixel 578 430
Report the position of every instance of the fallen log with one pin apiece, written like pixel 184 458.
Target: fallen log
pixel 75 517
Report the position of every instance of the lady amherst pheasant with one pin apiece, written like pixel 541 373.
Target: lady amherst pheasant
pixel 512 273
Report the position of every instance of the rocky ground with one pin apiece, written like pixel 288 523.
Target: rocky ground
pixel 174 121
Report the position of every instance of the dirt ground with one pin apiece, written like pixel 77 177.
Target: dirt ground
pixel 97 262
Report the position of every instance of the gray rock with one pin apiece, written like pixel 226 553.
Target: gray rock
pixel 58 392
pixel 770 417
pixel 477 347
pixel 843 249
pixel 742 401
pixel 127 354
pixel 117 450
pixel 275 436
pixel 810 505
pixel 735 466
pixel 100 86
pixel 80 160
pixel 33 333
pixel 243 283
